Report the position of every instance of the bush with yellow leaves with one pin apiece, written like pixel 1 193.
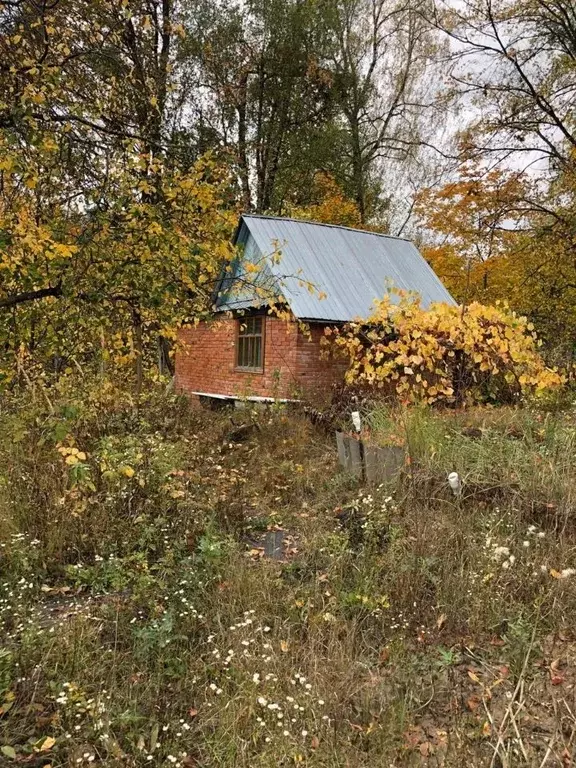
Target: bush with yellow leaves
pixel 445 354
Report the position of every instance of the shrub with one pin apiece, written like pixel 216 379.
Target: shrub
pixel 446 354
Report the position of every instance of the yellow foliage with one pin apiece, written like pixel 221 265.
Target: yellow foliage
pixel 474 222
pixel 445 353
pixel 330 206
pixel 497 236
pixel 142 260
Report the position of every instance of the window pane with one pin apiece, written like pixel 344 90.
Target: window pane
pixel 250 326
pixel 249 348
pixel 257 357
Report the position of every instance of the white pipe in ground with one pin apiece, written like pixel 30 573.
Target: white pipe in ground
pixel 454 482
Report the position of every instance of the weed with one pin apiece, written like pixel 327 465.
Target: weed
pixel 142 626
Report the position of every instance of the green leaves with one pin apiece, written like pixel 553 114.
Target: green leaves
pixel 98 278
pixel 105 241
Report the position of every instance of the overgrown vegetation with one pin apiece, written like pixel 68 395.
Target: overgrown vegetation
pixel 142 624
pixel 444 354
pixel 130 142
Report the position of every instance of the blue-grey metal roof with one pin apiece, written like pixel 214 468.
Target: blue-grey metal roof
pixel 351 267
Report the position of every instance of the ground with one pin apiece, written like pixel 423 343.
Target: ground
pixel 143 623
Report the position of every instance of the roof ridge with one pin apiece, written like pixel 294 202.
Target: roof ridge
pixel 322 224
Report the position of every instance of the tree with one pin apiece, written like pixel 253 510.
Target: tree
pixel 543 260
pixel 513 222
pixel 496 236
pixel 100 234
pixel 380 53
pixel 295 89
pixel 516 61
pixel 444 354
pixel 328 204
pixel 268 94
pixel 473 224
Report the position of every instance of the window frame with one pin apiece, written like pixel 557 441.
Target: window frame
pixel 262 336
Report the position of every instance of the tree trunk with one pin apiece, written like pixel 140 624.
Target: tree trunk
pixel 359 181
pixel 165 362
pixel 243 145
pixel 138 350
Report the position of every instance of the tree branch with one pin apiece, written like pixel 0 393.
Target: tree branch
pixel 27 296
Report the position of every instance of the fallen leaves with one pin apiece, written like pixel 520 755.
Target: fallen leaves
pixel 384 655
pixel 47 744
pixel 427 740
pixel 473 703
pixel 256 553
pixel 63 590
pixel 425 749
pixel 7 702
pixel 474 677
pixel 555 677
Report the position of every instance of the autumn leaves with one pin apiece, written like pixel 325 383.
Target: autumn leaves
pixel 445 354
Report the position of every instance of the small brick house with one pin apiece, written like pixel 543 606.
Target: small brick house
pixel 324 275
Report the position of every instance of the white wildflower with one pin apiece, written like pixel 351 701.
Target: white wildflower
pixel 500 552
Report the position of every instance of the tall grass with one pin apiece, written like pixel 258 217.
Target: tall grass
pixel 525 458
pixel 141 624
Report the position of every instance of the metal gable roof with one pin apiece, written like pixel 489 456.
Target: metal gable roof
pixel 351 267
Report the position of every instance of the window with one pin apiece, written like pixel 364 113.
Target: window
pixel 250 346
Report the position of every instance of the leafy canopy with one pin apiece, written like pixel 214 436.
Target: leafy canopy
pixel 444 354
pixel 107 243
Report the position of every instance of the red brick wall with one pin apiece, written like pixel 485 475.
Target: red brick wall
pixel 316 373
pixel 206 360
